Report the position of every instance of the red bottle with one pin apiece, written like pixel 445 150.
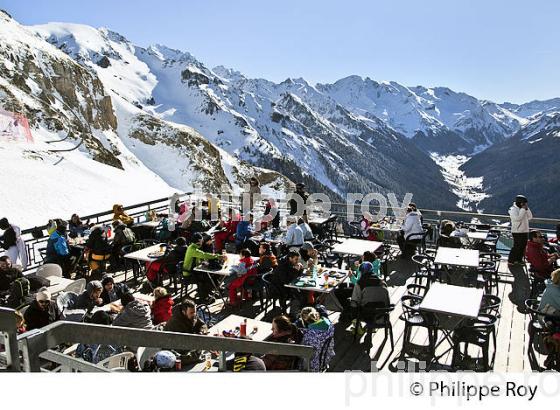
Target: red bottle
pixel 243 328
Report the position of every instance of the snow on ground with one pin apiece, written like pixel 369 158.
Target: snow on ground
pixel 43 185
pixel 468 189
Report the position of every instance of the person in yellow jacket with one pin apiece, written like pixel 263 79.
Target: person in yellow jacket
pixel 120 215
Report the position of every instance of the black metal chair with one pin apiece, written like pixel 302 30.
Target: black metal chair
pixel 323 363
pixel 539 328
pixel 257 286
pixel 273 294
pixel 377 317
pixel 414 319
pixel 478 332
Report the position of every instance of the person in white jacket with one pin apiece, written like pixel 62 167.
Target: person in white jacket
pixel 13 243
pixel 411 231
pixel 520 215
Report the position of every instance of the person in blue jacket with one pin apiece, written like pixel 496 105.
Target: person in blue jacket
pixel 57 248
pixel 243 234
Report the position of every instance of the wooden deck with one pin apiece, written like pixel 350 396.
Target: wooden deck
pixel 511 336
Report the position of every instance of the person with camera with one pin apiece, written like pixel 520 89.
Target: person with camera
pixel 520 215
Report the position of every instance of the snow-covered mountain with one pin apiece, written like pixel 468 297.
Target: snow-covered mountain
pixel 523 164
pixel 164 111
pixel 437 119
pixel 290 127
pixel 138 156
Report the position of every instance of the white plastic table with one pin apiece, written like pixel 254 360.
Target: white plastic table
pixel 256 329
pixel 142 254
pixel 457 257
pixel 356 247
pixel 452 300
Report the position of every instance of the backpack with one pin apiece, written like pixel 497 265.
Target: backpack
pixel 19 293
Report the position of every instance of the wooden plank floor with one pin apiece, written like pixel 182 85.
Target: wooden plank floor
pixel 511 329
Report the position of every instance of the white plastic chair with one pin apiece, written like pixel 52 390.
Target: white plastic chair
pixel 77 286
pixel 118 362
pixel 49 269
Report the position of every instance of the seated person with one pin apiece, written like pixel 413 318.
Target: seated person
pixel 245 230
pixel 162 308
pixel 283 331
pixel 289 268
pixel 542 263
pixel 122 236
pixel 311 319
pixel 57 248
pixel 112 291
pixel 184 320
pixel 193 257
pixel 91 297
pixel 246 362
pixel 306 229
pixel 267 260
pixel 99 248
pixel 365 227
pixel 317 331
pixel 411 232
pixel 42 311
pixel 207 243
pixel 344 291
pixel 294 234
pixel 309 255
pixel 239 274
pixel 76 227
pixel 120 215
pixel 227 229
pixel 370 290
pixel 8 273
pixel 95 353
pixel 550 300
pixel 134 313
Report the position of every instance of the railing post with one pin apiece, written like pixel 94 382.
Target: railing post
pixel 222 365
pixel 12 351
pixel 32 347
pixel 305 364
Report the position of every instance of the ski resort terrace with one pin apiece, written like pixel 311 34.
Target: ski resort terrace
pixel 399 344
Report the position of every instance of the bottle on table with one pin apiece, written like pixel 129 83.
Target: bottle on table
pixel 243 328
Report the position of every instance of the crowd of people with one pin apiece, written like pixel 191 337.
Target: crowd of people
pixel 203 232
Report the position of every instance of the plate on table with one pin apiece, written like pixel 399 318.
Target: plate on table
pixel 305 282
pixel 156 254
pixel 334 274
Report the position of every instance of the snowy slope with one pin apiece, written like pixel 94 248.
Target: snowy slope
pixel 123 154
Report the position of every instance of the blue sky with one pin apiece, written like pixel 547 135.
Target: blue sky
pixel 495 49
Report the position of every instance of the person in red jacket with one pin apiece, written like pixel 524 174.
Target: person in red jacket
pixel 162 306
pixel 542 263
pixel 240 273
pixel 226 234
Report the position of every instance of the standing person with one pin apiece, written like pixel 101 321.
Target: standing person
pixel 293 203
pixel 254 193
pixel 12 242
pixel 520 215
pixel 271 214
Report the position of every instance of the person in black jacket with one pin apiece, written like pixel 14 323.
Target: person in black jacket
pixel 112 291
pixel 90 297
pixel 289 268
pixel 8 273
pixel 293 203
pixel 42 311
